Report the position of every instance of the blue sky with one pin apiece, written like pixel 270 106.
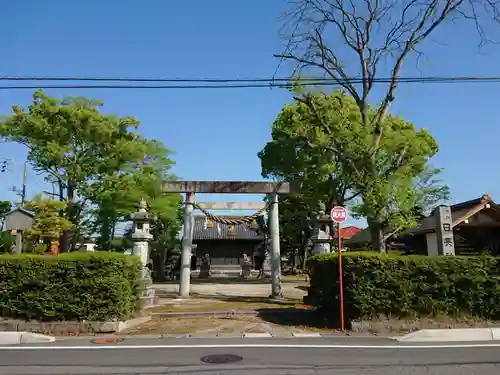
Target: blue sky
pixel 216 134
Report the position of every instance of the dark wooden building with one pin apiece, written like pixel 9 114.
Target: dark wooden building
pixel 226 245
pixel 475 225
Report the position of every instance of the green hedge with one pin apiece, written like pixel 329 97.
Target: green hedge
pixel 405 286
pixel 70 287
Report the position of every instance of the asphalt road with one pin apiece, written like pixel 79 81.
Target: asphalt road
pixel 259 357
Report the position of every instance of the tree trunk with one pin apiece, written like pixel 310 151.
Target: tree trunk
pixel 304 259
pixel 113 230
pixel 159 264
pixel 377 235
pixel 65 239
pixel 105 232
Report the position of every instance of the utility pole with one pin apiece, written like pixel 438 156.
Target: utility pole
pixel 25 182
pixel 22 193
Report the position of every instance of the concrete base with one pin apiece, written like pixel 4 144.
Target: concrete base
pixel 452 335
pixel 14 326
pixel 148 297
pixel 14 338
pixel 147 302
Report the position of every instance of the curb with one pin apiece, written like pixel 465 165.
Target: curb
pixel 13 338
pixel 240 335
pixel 257 335
pixel 306 335
pixel 452 335
pixel 71 327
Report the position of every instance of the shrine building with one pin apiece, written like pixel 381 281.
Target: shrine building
pixel 227 246
pixel 473 227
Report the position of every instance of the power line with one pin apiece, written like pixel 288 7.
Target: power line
pixel 139 79
pixel 221 83
pixel 233 80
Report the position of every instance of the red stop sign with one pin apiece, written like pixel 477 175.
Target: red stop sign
pixel 338 214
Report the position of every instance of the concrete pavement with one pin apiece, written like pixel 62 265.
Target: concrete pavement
pixel 452 335
pixel 261 357
pixel 11 338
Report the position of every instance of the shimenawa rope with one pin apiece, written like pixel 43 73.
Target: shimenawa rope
pixel 241 220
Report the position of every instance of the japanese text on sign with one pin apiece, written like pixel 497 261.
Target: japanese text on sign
pixel 338 214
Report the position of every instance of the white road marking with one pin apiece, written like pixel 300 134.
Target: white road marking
pixel 264 346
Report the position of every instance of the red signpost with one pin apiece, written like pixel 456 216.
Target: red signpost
pixel 339 214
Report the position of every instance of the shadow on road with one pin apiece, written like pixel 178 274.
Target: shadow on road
pixel 296 317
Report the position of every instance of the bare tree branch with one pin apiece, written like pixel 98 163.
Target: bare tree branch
pixel 331 37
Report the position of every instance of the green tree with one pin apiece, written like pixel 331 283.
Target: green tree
pixel 120 193
pixel 168 209
pixel 302 151
pixel 322 142
pixel 6 239
pixel 83 152
pixel 5 207
pixel 376 39
pixel 166 244
pixel 6 242
pixel 296 215
pixel 47 224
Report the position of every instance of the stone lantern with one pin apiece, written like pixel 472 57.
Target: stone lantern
pixel 141 236
pixel 141 232
pixel 321 237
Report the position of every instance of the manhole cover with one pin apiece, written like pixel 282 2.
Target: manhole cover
pixel 107 340
pixel 221 358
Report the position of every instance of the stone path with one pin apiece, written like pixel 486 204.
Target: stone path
pixel 290 290
pixel 212 297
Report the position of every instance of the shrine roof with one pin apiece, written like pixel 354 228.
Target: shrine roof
pixel 459 212
pixel 205 229
pixel 348 232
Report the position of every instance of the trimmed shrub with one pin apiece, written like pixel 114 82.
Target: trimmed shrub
pixel 405 286
pixel 79 286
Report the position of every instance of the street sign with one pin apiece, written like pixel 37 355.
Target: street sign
pixel 338 214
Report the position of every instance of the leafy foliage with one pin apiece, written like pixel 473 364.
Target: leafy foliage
pixel 47 223
pixel 70 287
pixel 99 163
pixel 405 286
pixel 5 207
pixel 372 40
pixel 168 209
pixel 321 142
pixel 295 220
pixel 6 239
pixel 6 242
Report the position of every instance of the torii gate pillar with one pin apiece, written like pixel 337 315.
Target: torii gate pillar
pixel 231 187
pixel 187 245
pixel 274 231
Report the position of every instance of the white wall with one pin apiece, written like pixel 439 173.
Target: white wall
pixel 432 244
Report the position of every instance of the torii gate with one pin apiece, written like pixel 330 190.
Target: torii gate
pixel 273 189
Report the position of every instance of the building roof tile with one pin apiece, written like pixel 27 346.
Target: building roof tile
pixel 459 212
pixel 205 229
pixel 348 232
